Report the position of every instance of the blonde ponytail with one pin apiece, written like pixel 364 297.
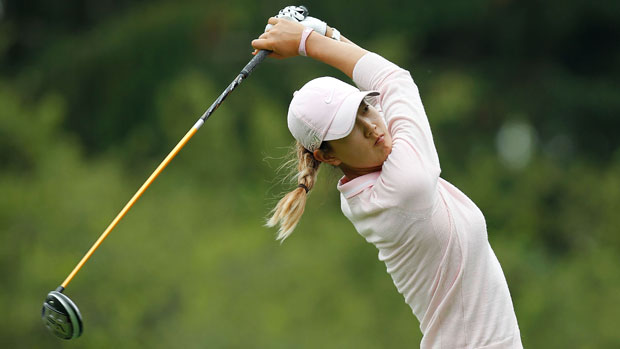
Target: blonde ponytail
pixel 289 209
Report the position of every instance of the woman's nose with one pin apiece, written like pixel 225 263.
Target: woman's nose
pixel 370 128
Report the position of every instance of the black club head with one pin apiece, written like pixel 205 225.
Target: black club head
pixel 61 316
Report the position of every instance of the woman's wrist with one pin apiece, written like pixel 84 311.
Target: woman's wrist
pixel 329 32
pixel 332 33
pixel 302 42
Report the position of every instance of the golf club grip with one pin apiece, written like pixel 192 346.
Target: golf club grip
pixel 259 57
pixel 262 54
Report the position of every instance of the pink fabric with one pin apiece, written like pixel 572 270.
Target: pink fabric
pixel 302 42
pixel 431 237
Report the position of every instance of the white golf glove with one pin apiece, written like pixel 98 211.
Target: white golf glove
pixel 295 13
pixel 316 24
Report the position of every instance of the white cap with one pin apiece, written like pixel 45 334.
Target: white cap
pixel 324 109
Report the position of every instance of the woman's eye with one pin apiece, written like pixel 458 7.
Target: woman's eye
pixel 366 108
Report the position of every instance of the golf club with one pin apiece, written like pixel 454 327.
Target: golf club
pixel 60 314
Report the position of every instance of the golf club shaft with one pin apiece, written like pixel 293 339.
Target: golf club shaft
pixel 245 72
pixel 131 202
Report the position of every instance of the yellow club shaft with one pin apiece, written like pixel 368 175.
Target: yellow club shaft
pixel 131 202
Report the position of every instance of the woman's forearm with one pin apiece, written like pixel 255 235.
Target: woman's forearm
pixel 342 55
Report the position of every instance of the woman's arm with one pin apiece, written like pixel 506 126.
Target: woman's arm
pixel 284 37
pixel 329 32
pixel 413 163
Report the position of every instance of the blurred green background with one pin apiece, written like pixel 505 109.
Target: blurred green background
pixel 522 96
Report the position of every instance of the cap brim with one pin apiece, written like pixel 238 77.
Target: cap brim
pixel 344 120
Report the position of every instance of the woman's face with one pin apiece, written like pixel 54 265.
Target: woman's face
pixel 365 149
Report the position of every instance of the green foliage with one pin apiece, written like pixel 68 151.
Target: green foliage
pixel 92 101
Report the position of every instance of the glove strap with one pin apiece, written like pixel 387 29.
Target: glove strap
pixel 302 42
pixel 335 34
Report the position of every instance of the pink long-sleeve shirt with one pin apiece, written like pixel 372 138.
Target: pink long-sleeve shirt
pixel 431 236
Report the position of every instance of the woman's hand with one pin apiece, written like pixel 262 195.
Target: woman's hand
pixel 283 38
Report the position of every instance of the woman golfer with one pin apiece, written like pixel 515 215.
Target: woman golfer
pixel 430 235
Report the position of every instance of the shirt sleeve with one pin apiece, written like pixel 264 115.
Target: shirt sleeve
pixel 413 163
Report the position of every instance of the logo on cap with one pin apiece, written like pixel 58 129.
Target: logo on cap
pixel 328 100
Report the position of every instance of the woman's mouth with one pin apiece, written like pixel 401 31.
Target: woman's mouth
pixel 379 140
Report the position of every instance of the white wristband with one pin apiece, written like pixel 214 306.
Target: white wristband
pixel 302 42
pixel 335 34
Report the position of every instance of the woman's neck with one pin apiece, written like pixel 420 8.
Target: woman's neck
pixel 352 172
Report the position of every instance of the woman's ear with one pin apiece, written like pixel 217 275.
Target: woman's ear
pixel 326 157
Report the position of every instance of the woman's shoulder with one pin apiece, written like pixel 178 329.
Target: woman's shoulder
pixel 407 181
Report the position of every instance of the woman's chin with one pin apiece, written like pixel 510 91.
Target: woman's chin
pixel 388 151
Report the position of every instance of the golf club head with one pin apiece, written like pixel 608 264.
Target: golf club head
pixel 61 316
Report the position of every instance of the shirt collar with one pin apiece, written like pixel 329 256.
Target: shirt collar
pixel 355 186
